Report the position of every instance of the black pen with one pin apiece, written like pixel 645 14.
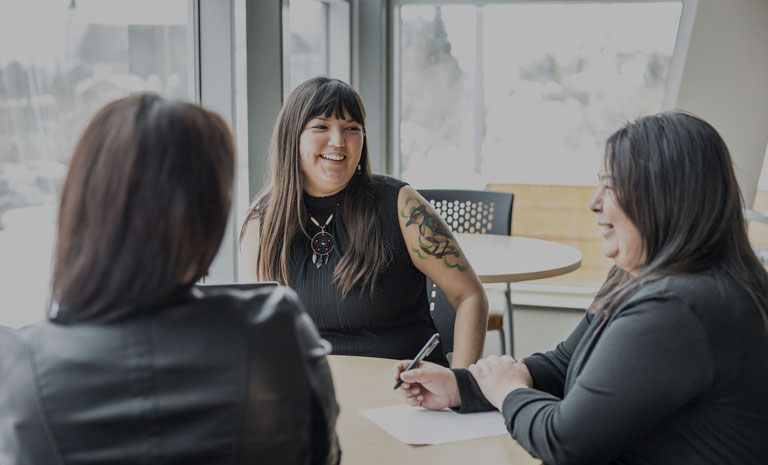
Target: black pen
pixel 426 350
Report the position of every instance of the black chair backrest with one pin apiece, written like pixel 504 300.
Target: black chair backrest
pixel 474 212
pixel 465 211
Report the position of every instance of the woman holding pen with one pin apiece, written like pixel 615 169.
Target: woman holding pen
pixel 670 363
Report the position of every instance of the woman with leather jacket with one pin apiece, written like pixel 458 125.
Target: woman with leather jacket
pixel 134 364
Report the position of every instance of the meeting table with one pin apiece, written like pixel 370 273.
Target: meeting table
pixel 364 383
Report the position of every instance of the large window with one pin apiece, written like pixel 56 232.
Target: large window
pixel 317 40
pixel 60 61
pixel 521 96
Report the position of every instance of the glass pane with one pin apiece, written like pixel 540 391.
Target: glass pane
pixel 307 41
pixel 59 63
pixel 437 84
pixel 522 96
pixel 317 41
pixel 576 74
pixel 541 85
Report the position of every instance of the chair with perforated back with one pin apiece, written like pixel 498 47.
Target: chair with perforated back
pixel 473 212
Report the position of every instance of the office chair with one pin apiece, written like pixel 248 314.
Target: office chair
pixel 473 212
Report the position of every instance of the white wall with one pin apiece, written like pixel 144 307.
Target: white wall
pixel 725 80
pixel 536 330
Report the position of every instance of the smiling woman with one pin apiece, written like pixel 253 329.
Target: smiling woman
pixel 622 241
pixel 330 150
pixel 669 365
pixel 344 240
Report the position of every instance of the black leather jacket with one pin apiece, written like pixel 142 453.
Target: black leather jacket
pixel 223 378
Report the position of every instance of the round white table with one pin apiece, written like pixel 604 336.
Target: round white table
pixel 508 259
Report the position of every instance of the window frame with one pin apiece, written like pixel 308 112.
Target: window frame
pixel 214 62
pixel 672 87
pixel 192 94
pixel 533 294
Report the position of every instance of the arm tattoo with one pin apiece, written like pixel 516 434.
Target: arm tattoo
pixel 435 239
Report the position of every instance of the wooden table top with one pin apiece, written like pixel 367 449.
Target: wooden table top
pixel 363 383
pixel 507 259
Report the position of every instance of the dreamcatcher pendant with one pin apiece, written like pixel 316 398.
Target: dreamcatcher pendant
pixel 321 243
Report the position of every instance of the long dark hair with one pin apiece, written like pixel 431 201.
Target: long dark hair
pixel 143 208
pixel 674 179
pixel 280 207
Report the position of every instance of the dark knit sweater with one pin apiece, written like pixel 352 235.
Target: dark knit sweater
pixel 677 374
pixel 395 321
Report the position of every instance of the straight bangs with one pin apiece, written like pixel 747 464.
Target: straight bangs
pixel 332 99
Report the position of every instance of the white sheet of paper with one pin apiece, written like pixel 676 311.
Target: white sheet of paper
pixel 415 425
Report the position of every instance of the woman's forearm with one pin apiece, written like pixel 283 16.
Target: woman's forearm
pixel 469 330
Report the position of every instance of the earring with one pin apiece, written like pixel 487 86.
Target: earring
pixel 359 169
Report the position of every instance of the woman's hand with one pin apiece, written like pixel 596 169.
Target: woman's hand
pixel 498 376
pixel 430 386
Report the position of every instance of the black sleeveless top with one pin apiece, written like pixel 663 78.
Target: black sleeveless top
pixel 393 323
